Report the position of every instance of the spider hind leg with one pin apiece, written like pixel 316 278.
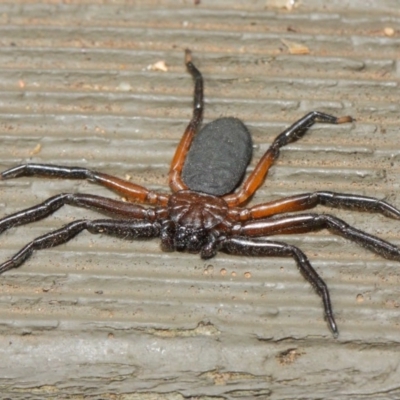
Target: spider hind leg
pixel 295 132
pixel 175 179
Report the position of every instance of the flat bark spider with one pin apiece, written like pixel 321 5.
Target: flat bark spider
pixel 204 214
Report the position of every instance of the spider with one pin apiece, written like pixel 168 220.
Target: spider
pixel 204 214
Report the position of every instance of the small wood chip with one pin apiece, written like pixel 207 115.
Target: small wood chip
pixel 295 48
pixel 388 31
pixel 158 66
pixel 36 150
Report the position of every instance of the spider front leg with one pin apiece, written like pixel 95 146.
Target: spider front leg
pixel 262 247
pixel 125 229
pixel 301 224
pixel 291 134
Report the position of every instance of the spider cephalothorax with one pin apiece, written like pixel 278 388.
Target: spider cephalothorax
pixel 204 214
pixel 193 216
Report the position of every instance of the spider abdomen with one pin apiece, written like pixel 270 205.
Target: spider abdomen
pixel 218 157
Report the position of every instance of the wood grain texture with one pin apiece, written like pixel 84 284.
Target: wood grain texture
pixel 101 318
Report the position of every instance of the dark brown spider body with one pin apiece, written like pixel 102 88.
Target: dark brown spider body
pixel 206 217
pixel 194 215
pixel 196 210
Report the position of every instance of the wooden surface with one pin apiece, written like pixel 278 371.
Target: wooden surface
pixel 101 318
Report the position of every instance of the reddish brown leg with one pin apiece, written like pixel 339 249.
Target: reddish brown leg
pixel 104 205
pixel 130 190
pixel 293 133
pixel 175 180
pixel 303 223
pixel 307 201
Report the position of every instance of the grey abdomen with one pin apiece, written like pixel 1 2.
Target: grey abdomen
pixel 218 158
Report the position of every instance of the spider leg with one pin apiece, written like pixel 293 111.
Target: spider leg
pixel 175 180
pixel 261 247
pixel 130 190
pixel 291 134
pixel 98 203
pixel 306 201
pixel 311 222
pixel 126 229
